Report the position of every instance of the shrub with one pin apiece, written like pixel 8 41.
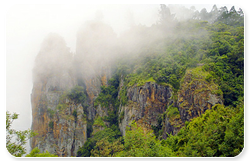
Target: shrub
pixel 121 117
pixel 77 94
pixel 51 112
pixel 209 78
pixel 172 111
pixel 75 114
pixel 51 125
pixel 99 122
pixel 123 96
pixel 36 153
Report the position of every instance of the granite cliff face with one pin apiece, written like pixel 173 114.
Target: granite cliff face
pixel 149 102
pixel 145 104
pixel 196 94
pixel 62 123
pixel 93 59
pixel 58 131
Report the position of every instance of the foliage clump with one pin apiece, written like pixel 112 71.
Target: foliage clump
pixel 16 140
pixel 77 94
pixel 218 132
pixel 36 153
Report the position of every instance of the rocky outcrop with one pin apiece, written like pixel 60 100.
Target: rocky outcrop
pixel 93 59
pixel 145 104
pixel 196 94
pixel 65 130
pixel 62 123
pixel 170 126
pixel 58 131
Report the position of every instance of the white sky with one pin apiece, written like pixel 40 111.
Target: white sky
pixel 27 26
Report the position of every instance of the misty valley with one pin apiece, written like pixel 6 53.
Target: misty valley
pixel 172 89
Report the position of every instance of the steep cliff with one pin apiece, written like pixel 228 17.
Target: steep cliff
pixel 197 93
pixel 93 59
pixel 58 131
pixel 63 124
pixel 145 104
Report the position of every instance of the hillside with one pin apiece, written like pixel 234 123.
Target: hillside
pixel 175 88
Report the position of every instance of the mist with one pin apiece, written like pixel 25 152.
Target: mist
pixel 28 28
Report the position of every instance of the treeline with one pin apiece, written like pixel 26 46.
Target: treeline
pixel 223 14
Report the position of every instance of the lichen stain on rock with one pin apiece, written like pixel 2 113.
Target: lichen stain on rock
pixel 89 87
pixel 145 104
pixel 104 80
pixel 196 95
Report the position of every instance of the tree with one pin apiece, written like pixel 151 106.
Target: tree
pixel 214 13
pixel 104 148
pixel 174 82
pixel 36 153
pixel 240 12
pixel 165 15
pixel 204 14
pixel 218 132
pixel 77 94
pixel 110 134
pixel 139 142
pixel 16 148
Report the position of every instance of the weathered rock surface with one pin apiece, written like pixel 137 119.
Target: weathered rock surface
pixel 56 71
pixel 145 104
pixel 195 96
pixel 93 59
pixel 58 131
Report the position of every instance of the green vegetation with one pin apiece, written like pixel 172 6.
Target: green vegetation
pixel 51 112
pixel 158 128
pixel 108 98
pixel 51 125
pixel 36 153
pixel 172 111
pixel 104 148
pixel 99 122
pixel 77 94
pixel 16 140
pixel 218 132
pixel 123 96
pixel 109 134
pixel 219 49
pixel 61 107
pixel 121 117
pixel 140 143
pixel 209 47
pixel 75 114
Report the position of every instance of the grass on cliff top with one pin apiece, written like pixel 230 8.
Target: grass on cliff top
pixel 198 73
pixel 138 79
pixel 201 75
